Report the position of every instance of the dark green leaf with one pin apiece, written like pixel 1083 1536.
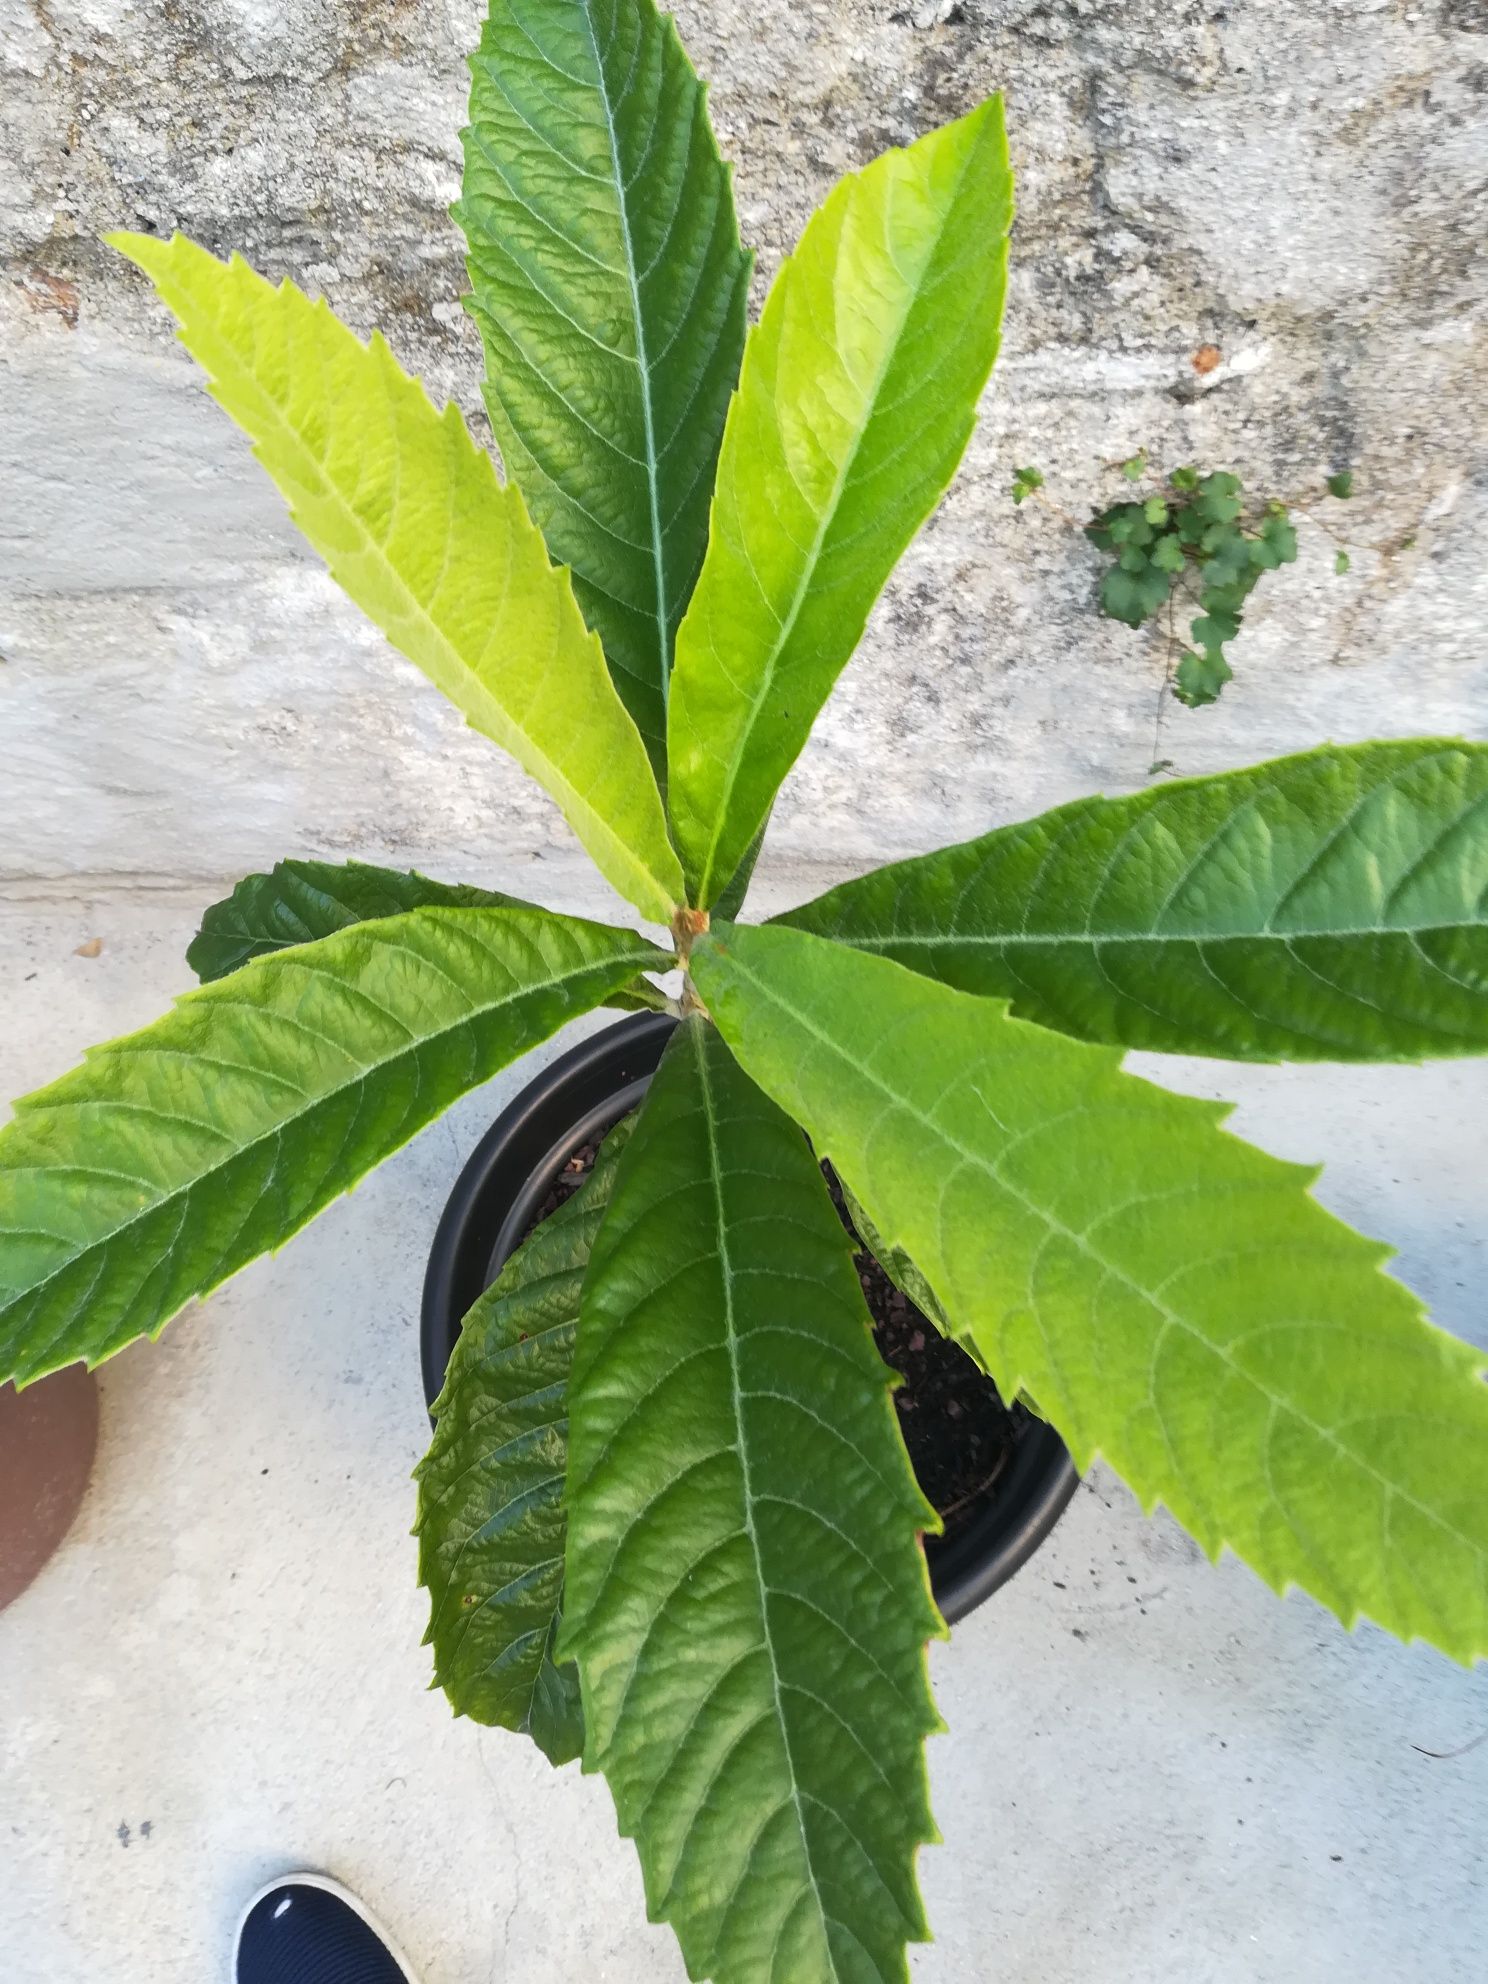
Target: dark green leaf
pixel 299 901
pixel 1332 906
pixel 1341 485
pixel 491 1521
pixel 746 1596
pixel 610 288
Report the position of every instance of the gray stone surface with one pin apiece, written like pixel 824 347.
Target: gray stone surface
pixel 1298 182
pixel 1172 1779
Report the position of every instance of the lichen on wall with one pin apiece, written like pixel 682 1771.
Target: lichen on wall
pixel 1295 182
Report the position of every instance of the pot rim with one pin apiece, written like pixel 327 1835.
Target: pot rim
pixel 575 1099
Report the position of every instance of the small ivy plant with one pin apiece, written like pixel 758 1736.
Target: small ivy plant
pixel 667 1521
pixel 1190 538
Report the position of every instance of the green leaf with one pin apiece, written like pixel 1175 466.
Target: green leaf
pixel 172 1157
pixel 1342 563
pixel 1213 628
pixel 857 398
pixel 746 1597
pixel 1135 466
pixel 1133 597
pixel 1026 481
pixel 491 1521
pixel 1279 534
pixel 610 288
pixel 1218 497
pixel 1173 1298
pixel 1199 678
pixel 1330 906
pixel 299 901
pixel 409 516
pixel 1341 485
pixel 1167 553
pixel 1155 510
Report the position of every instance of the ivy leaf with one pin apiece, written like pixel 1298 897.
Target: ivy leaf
pixel 1135 466
pixel 1173 1298
pixel 410 518
pixel 1025 482
pixel 1155 510
pixel 299 901
pixel 746 1596
pixel 1199 678
pixel 610 289
pixel 1331 906
pixel 1134 596
pixel 1279 535
pixel 491 1521
pixel 1185 479
pixel 1341 485
pixel 1228 563
pixel 1218 625
pixel 172 1157
pixel 857 397
pixel 1167 553
pixel 1217 497
pixel 1342 563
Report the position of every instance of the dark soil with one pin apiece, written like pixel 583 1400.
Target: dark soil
pixel 960 1436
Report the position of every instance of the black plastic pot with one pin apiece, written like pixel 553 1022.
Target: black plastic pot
pixel 574 1102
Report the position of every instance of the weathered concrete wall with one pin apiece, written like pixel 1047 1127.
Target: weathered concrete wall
pixel 1298 182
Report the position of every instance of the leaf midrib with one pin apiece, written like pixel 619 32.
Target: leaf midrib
pixel 1091 939
pixel 737 1390
pixel 813 558
pixel 415 1045
pixel 641 363
pixel 1392 1489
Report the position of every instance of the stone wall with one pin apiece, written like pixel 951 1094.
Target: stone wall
pixel 1297 182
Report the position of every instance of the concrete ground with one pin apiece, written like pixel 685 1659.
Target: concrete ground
pixel 1154 1771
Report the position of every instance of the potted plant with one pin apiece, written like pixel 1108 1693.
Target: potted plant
pixel 668 1519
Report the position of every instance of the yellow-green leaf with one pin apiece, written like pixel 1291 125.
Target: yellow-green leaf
pixel 1173 1298
pixel 408 514
pixel 856 400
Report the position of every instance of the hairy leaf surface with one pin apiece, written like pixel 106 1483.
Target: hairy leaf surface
pixel 609 286
pixel 1331 906
pixel 491 1519
pixel 408 514
pixel 172 1157
pixel 857 398
pixel 299 901
pixel 1172 1297
pixel 746 1596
